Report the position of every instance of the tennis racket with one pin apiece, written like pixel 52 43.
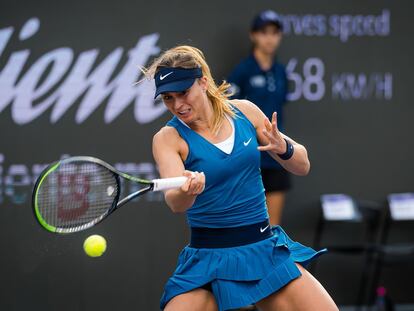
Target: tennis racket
pixel 77 193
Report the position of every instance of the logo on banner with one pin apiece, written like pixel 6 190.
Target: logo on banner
pixel 61 78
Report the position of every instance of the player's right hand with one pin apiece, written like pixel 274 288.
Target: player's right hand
pixel 195 183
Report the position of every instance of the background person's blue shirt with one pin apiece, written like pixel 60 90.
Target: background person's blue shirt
pixel 266 88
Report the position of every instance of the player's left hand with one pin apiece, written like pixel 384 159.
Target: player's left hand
pixel 276 142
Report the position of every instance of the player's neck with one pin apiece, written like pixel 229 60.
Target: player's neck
pixel 265 60
pixel 203 122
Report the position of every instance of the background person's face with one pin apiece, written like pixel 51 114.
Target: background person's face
pixel 267 39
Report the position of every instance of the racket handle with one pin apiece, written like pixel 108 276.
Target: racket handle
pixel 168 183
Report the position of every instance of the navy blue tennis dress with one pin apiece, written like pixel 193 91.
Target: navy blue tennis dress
pixel 233 249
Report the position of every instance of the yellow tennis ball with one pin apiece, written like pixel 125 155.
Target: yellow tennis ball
pixel 95 245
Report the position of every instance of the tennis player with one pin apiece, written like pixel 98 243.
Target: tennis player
pixel 235 258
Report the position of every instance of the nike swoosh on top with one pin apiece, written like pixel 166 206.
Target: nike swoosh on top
pixel 247 142
pixel 264 229
pixel 163 77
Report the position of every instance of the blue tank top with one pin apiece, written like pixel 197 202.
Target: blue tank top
pixel 234 193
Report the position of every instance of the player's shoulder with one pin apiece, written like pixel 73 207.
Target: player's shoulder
pixel 248 108
pixel 244 105
pixel 166 135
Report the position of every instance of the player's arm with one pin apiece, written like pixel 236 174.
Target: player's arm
pixel 273 141
pixel 167 154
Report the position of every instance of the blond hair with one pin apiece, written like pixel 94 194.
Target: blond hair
pixel 185 56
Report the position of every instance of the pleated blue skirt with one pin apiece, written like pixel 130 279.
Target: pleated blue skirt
pixel 242 275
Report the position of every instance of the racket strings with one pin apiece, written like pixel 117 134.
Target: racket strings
pixel 77 194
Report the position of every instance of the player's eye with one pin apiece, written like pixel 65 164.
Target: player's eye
pixel 166 97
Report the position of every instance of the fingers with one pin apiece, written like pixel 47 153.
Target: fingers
pixel 274 123
pixel 274 118
pixel 186 185
pixel 195 183
pixel 269 136
pixel 268 125
pixel 272 133
pixel 265 148
pixel 271 126
pixel 268 133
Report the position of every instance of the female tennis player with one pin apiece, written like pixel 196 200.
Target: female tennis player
pixel 235 258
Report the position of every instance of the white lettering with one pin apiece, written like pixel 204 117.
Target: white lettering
pixel 85 81
pixel 26 93
pixel 348 86
pixel 340 26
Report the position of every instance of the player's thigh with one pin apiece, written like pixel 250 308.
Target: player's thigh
pixel 196 300
pixel 302 294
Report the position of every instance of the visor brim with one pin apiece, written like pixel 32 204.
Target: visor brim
pixel 176 86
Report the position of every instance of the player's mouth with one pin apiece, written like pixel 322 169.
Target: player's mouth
pixel 184 112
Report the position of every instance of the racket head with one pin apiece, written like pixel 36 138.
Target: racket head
pixel 75 194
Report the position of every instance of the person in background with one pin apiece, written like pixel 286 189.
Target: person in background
pixel 261 79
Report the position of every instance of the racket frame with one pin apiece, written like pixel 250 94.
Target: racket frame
pixel 115 204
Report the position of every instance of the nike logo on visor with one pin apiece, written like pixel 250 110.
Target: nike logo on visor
pixel 163 77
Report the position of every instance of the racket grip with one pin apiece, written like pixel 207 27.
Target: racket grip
pixel 168 183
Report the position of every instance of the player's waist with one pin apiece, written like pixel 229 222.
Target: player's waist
pixel 229 237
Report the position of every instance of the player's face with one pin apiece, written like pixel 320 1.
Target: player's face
pixel 267 40
pixel 186 105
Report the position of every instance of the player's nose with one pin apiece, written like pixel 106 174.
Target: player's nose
pixel 178 102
